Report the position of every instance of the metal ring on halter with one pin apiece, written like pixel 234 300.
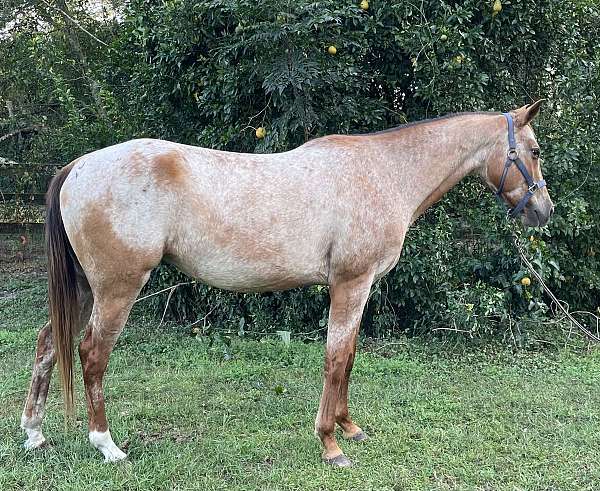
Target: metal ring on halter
pixel 512 154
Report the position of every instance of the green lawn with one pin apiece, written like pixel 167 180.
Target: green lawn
pixel 438 418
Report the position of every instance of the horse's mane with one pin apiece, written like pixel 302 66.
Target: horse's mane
pixel 430 120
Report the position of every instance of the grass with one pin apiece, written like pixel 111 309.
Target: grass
pixel 439 419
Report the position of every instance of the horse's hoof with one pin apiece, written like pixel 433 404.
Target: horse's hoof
pixel 361 436
pixel 35 439
pixel 104 442
pixel 114 455
pixel 33 444
pixel 338 461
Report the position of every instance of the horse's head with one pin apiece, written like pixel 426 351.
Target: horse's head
pixel 514 172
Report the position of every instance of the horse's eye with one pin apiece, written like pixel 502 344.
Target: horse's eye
pixel 535 152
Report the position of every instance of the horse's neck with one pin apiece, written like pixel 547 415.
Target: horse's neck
pixel 430 159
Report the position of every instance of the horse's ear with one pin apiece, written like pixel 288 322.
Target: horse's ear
pixel 524 115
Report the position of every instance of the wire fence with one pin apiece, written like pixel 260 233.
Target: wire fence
pixel 22 190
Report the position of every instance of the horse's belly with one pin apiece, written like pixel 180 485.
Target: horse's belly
pixel 224 269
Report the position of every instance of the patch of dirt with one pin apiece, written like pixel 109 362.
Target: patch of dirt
pixel 22 254
pixel 147 438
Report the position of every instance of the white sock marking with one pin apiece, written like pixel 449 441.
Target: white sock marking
pixel 35 439
pixel 104 442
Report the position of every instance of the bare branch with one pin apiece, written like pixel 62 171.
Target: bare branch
pixel 77 24
pixel 29 129
pixel 556 301
pixel 165 290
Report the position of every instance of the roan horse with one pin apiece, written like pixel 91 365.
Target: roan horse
pixel 331 212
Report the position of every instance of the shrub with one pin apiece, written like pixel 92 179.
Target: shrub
pixel 210 72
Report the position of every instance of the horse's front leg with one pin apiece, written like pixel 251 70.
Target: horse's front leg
pixel 348 298
pixel 342 414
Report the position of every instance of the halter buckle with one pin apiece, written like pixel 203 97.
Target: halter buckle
pixel 534 187
pixel 512 154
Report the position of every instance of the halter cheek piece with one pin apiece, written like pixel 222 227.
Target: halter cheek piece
pixel 513 158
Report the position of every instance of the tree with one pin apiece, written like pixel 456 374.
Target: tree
pixel 210 72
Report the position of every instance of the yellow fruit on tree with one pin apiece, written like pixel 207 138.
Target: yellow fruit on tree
pixel 364 5
pixel 332 50
pixel 260 132
pixel 497 7
pixel 525 281
pixel 443 38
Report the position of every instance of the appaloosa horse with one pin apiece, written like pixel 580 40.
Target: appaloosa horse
pixel 331 212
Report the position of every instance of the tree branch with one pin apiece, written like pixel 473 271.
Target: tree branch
pixel 73 40
pixel 29 129
pixel 77 24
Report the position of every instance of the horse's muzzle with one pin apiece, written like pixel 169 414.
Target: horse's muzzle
pixel 537 214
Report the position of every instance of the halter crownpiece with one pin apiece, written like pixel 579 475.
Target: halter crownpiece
pixel 512 157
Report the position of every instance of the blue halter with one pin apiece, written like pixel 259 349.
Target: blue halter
pixel 513 158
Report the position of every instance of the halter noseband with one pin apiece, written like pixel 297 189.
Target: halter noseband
pixel 513 158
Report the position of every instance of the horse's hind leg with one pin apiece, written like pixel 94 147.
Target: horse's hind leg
pixel 33 413
pixel 112 304
pixel 45 359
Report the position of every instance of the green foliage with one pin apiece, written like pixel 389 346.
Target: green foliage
pixel 210 72
pixel 56 76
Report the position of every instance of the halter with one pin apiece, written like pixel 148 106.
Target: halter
pixel 513 158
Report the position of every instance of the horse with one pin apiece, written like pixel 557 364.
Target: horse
pixel 332 212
